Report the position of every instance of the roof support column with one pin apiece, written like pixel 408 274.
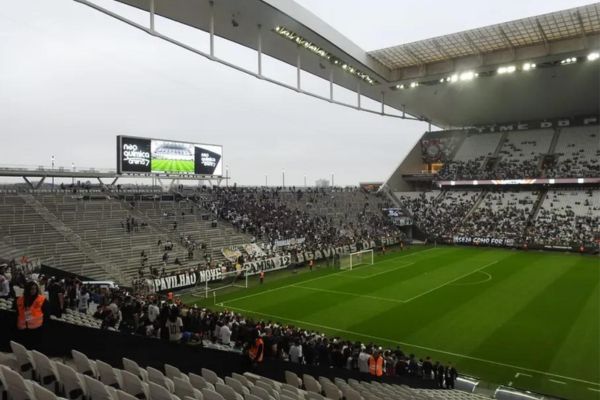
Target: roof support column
pixel 382 103
pixel 298 71
pixel 151 15
pixel 358 95
pixel 259 50
pixel 211 28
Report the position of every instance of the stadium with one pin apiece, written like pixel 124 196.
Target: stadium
pixel 470 270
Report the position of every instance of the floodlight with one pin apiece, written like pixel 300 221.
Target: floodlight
pixel 593 56
pixel 507 70
pixel 454 78
pixel 467 76
pixel 527 66
pixel 414 84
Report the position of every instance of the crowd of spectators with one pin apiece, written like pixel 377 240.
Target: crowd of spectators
pixel 266 214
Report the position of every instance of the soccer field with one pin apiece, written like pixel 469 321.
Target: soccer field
pixel 526 319
pixel 172 165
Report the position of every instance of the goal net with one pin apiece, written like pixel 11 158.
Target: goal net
pixel 351 260
pixel 230 279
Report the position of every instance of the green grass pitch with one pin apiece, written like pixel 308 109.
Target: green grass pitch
pixel 172 166
pixel 528 319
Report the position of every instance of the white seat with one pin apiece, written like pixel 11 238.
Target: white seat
pixel 331 391
pixel 17 387
pixel 236 385
pixel 200 383
pixel 211 376
pixel 173 372
pixel 227 392
pixel 158 392
pixel 108 375
pixel 83 364
pixel 183 388
pixel 159 378
pixel 267 387
pixel 45 370
pixel 211 395
pixel 133 385
pixel 251 397
pixel 311 384
pixel 292 379
pixel 314 396
pixel 41 393
pixel 23 359
pixel 242 379
pixel 134 368
pixel 261 393
pixel 96 390
pixel 71 384
pixel 121 395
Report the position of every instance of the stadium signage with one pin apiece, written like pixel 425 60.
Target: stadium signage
pixel 271 264
pixel 186 279
pixel 329 252
pixel 483 241
pixel 137 155
pixel 540 124
pixel 288 242
pixel 534 181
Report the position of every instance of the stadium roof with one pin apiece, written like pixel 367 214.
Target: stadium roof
pixel 284 30
pixel 542 29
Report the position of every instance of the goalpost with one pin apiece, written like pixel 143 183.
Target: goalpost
pixel 238 279
pixel 351 260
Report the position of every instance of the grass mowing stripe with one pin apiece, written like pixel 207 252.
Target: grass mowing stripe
pixel 386 340
pixel 384 272
pixel 449 282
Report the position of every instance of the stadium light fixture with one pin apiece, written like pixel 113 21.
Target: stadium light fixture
pixel 507 70
pixel 313 48
pixel 414 84
pixel 528 66
pixel 453 78
pixel 569 60
pixel 593 56
pixel 467 76
pixel 400 86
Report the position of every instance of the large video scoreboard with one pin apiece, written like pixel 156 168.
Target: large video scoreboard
pixel 137 155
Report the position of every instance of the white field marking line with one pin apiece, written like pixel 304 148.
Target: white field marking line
pixel 362 296
pixel 594 390
pixel 521 373
pixel 489 278
pixel 559 382
pixel 416 346
pixel 314 279
pixel 384 272
pixel 449 282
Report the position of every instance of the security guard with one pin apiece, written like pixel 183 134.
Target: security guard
pixel 31 308
pixel 376 364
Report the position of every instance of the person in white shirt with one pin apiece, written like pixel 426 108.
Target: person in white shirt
pixel 363 360
pixel 225 335
pixel 84 299
pixel 4 287
pixel 174 326
pixel 296 352
pixel 153 311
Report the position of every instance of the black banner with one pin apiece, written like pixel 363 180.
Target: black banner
pixel 543 124
pixel 483 241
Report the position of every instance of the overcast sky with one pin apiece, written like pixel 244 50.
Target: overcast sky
pixel 71 79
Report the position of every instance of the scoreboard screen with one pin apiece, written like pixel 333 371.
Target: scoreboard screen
pixel 137 155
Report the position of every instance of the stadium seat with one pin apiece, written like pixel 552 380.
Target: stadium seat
pixel 108 375
pixel 17 387
pixel 261 393
pixel 331 391
pixel 133 385
pixel 311 384
pixel 23 358
pixel 236 385
pixel 210 376
pixel 71 384
pixel 96 390
pixel 45 370
pixel 134 368
pixel 41 393
pixel 198 382
pixel 159 378
pixel 211 395
pixel 242 379
pixel 83 364
pixel 121 395
pixel 158 392
pixel 173 372
pixel 183 388
pixel 227 392
pixel 293 379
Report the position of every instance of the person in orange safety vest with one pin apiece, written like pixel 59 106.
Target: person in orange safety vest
pixel 376 364
pixel 31 307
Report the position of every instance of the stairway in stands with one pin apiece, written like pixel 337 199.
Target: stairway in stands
pixel 108 271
